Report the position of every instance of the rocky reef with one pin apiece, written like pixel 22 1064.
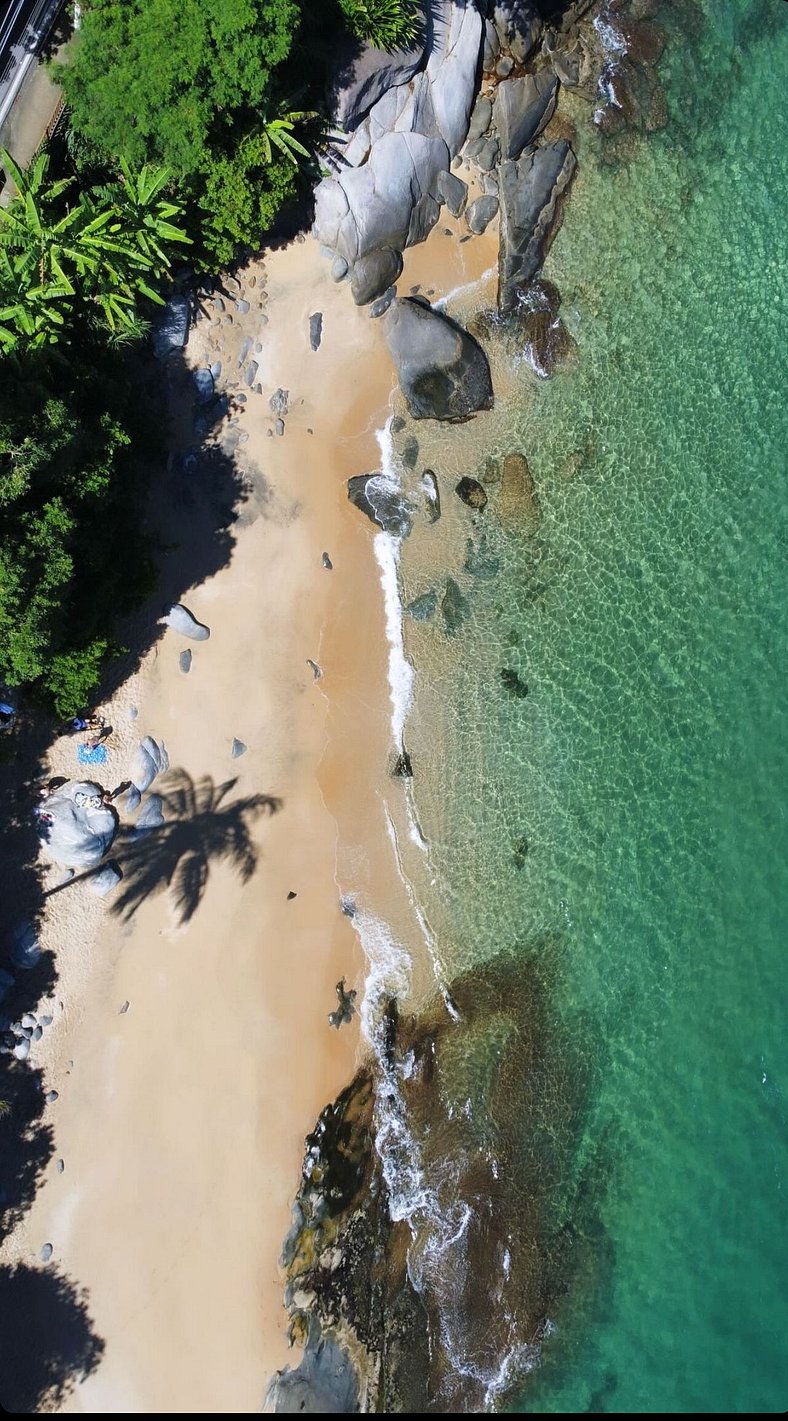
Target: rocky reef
pixel 430 1233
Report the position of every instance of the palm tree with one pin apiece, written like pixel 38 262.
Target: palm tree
pixel 200 825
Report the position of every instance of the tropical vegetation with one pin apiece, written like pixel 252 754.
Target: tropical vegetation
pixel 386 24
pixel 196 86
pixel 94 256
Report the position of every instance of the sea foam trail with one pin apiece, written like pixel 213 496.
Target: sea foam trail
pixel 387 551
pixel 464 288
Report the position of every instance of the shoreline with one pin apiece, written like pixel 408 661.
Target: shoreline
pixel 153 1209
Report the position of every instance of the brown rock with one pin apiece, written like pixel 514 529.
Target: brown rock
pixel 517 503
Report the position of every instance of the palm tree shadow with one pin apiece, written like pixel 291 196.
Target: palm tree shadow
pixel 200 826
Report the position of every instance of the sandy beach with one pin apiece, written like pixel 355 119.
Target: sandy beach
pixel 181 1121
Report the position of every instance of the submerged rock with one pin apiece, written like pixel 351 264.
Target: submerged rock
pixel 455 608
pixel 514 682
pixel 472 493
pixel 517 503
pixel 423 608
pixel 442 370
pixel 432 495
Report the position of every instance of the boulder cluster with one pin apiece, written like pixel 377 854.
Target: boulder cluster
pixel 477 92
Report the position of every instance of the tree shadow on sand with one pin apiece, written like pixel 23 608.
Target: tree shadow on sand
pixel 47 1342
pixel 200 826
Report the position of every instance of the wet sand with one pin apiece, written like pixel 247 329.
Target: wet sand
pixel 181 1121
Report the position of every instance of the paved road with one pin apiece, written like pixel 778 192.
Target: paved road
pixel 24 25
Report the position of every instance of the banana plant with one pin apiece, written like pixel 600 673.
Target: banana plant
pixel 277 134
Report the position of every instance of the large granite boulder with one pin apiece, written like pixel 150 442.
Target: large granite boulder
pixel 442 370
pixel 374 274
pixel 386 192
pixel 451 68
pixel 530 189
pixel 365 76
pixel 518 25
pixel 371 206
pixel 522 108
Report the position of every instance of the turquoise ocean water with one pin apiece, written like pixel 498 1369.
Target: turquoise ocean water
pixel 647 767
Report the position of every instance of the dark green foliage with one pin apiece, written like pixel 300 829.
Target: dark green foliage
pixel 92 255
pixel 386 24
pixel 191 84
pixel 73 455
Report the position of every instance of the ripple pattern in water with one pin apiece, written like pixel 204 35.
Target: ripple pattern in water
pixel 633 801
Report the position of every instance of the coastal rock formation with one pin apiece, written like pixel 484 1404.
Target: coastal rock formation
pixel 383 502
pixel 468 1109
pixel 374 274
pixel 522 108
pixel 481 213
pixel 386 194
pixel 531 189
pixel 472 493
pixel 367 76
pixel 181 620
pixel 516 26
pixel 79 829
pixel 442 370
pixel 517 503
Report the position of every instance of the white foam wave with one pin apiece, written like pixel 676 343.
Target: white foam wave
pixel 613 41
pixel 387 551
pixel 464 288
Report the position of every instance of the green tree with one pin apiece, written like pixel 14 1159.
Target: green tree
pixel 184 83
pixel 74 451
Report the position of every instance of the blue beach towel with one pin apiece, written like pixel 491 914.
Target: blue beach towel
pixel 92 757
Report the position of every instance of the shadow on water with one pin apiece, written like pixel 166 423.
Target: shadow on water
pixel 201 825
pixel 47 1342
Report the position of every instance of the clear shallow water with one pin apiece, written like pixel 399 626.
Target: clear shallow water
pixel 647 766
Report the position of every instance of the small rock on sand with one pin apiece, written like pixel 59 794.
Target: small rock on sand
pixel 314 668
pixel 242 307
pixel 291 895
pixel 22 1049
pixel 279 401
pixel 238 749
pixel 327 563
pixel 181 620
pixel 280 427
pixel 251 373
pixel 124 1008
pixel 51 1096
pixel 45 1253
pixel 60 1166
pixel 185 661
pixel 316 329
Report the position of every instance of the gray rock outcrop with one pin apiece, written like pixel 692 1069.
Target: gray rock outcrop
pixel 181 620
pixel 381 498
pixel 518 25
pixel 387 195
pixel 531 189
pixel 522 108
pixel 481 213
pixel 442 370
pixel 454 192
pixel 374 274
pixel 368 76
